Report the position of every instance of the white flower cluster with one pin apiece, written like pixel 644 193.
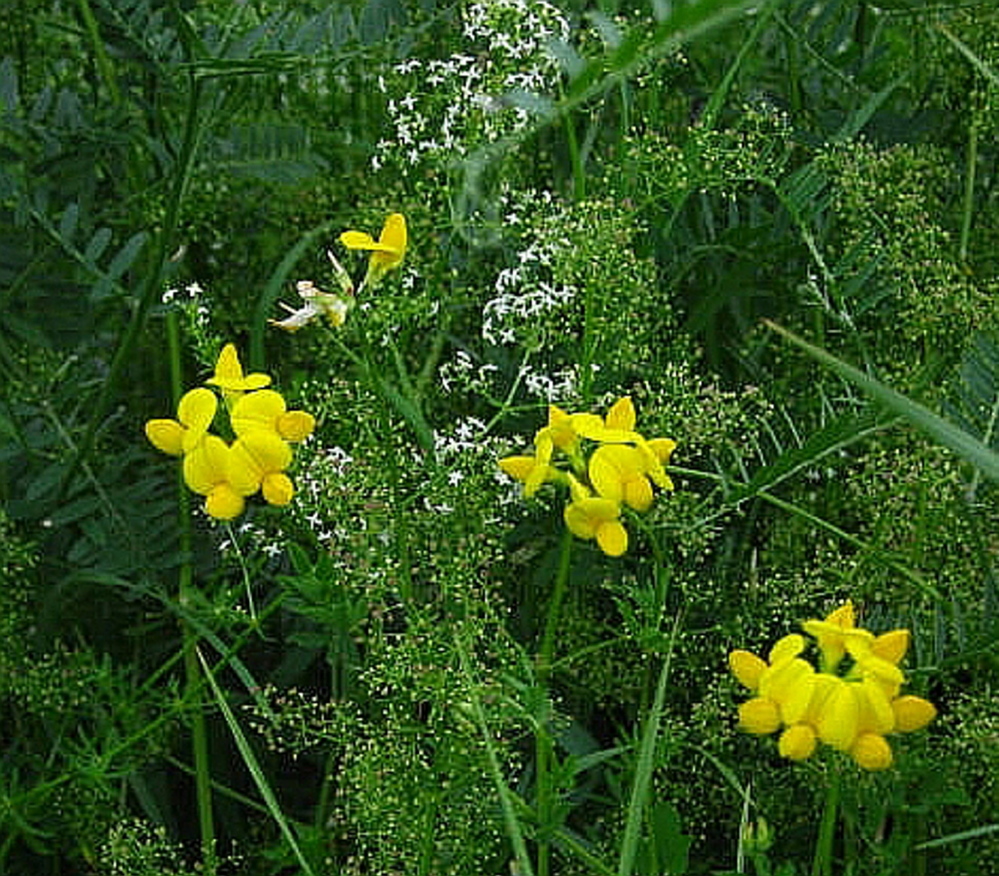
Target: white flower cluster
pixel 450 106
pixel 554 388
pixel 463 374
pixel 525 297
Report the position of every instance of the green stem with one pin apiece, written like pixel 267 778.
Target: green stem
pixel 968 206
pixel 646 764
pixel 576 159
pixel 192 673
pixel 508 800
pixel 558 593
pixel 822 863
pixel 123 355
pixel 100 55
pixel 544 744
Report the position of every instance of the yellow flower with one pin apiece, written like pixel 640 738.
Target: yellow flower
pixel 783 684
pixel 618 427
pixel 267 410
pixel 595 517
pixel 206 472
pixel 618 472
pixel 229 375
pixel 257 461
pixel 195 413
pixel 853 712
pixel 535 470
pixel 386 253
pixel 832 635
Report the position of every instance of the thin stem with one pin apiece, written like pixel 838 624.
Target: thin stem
pixel 508 800
pixel 822 863
pixel 646 763
pixel 164 246
pixel 558 593
pixel 192 673
pixel 544 744
pixel 246 572
pixel 967 208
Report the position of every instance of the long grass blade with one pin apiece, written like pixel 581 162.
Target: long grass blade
pixel 963 444
pixel 253 765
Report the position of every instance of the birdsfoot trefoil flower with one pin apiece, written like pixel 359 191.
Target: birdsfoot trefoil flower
pixel 227 474
pixel 387 253
pixel 606 464
pixel 850 705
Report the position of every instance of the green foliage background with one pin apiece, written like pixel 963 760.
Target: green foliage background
pixel 603 199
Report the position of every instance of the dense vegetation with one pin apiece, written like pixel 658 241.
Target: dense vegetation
pixel 490 632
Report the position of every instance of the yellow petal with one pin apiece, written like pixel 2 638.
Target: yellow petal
pixel 617 472
pixel 579 522
pixel 296 425
pixel 518 467
pixel 638 493
pixel 786 648
pixel 205 467
pixel 277 488
pixel 797 742
pixel 257 410
pixel 560 428
pixel 605 474
pixel 876 714
pixel 759 716
pixel 224 503
pixel 357 240
pixel 586 517
pixel 394 233
pixel 166 435
pixel 663 448
pixel 912 713
pixel 612 538
pixel 795 691
pixel 227 366
pixel 196 409
pixel 872 752
pixel 621 415
pixel 747 668
pixel 891 646
pixel 842 617
pixel 838 721
pixel 587 426
pixel 253 457
pixel 229 373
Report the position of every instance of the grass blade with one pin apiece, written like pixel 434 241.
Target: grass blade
pixel 940 430
pixel 250 759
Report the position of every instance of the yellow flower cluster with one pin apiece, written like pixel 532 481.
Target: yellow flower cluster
pixel 387 253
pixel 617 467
pixel 226 474
pixel 852 712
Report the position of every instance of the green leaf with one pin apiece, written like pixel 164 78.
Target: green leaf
pixel 940 430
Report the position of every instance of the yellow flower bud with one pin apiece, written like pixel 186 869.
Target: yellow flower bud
pixel 912 713
pixel 797 742
pixel 759 716
pixel 872 752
